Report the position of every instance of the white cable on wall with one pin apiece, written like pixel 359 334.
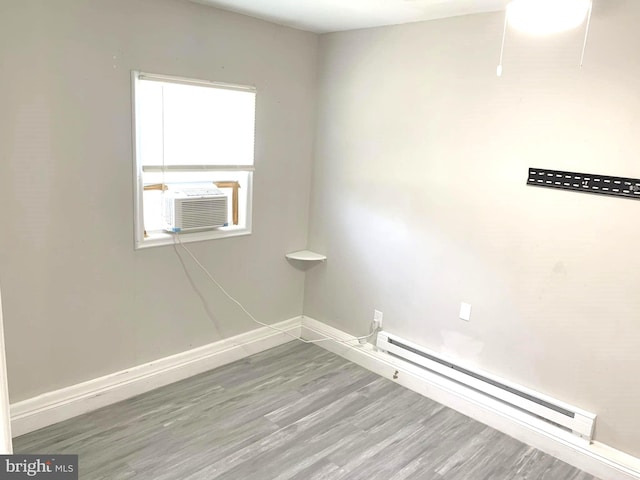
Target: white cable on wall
pixel 361 340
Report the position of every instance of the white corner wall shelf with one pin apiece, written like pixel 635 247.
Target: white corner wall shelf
pixel 306 256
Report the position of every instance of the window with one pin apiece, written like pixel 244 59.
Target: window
pixel 194 155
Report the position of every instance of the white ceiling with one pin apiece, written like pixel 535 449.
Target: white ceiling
pixel 322 16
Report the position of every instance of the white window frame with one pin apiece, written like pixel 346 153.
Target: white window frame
pixel 166 238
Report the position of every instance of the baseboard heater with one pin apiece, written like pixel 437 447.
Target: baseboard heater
pixel 537 405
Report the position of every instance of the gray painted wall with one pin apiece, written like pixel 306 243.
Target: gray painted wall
pixel 405 112
pixel 419 201
pixel 79 302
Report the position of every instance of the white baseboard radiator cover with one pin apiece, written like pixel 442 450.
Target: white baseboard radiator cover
pixel 539 406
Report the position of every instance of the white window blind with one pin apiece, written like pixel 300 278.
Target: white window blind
pixel 189 124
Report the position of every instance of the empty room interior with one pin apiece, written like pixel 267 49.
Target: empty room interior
pixel 330 239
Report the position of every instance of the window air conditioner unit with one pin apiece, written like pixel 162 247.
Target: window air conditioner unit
pixel 193 209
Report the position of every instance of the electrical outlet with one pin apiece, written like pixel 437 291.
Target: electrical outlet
pixel 377 319
pixel 465 312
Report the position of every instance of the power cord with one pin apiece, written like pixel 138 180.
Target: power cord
pixel 361 340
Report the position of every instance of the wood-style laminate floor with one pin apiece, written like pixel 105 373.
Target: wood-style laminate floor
pixel 294 412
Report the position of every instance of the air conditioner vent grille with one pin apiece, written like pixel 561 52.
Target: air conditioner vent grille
pixel 186 210
pixel 203 212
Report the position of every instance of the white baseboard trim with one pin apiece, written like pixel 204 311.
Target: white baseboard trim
pixel 52 407
pixel 596 458
pixel 32 414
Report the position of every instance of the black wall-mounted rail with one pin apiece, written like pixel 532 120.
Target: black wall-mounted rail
pixel 585 182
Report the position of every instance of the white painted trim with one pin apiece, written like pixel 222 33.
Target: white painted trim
pixel 595 458
pixel 158 239
pixel 52 407
pixel 6 446
pixel 38 412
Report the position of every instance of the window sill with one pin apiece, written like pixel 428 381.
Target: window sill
pixel 158 239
